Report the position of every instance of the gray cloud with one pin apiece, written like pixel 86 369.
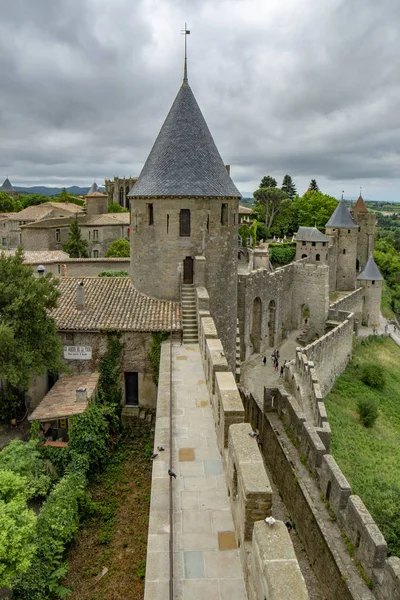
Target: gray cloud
pixel 312 89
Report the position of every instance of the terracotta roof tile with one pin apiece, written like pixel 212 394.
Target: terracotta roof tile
pixel 40 256
pixel 112 303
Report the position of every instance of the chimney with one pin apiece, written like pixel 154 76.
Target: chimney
pixel 81 394
pixel 80 296
pixel 228 168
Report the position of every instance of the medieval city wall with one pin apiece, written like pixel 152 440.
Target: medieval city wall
pixel 352 302
pixel 247 481
pixel 283 295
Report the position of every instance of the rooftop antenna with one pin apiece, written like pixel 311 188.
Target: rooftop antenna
pixel 185 32
pixel 342 194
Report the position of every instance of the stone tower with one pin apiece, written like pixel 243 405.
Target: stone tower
pixel 342 233
pixel 366 221
pixel 371 280
pixel 185 205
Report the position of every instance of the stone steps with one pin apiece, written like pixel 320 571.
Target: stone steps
pixel 189 318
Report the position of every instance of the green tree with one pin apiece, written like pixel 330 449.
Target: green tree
pixel 76 246
pixel 17 528
pixel 63 196
pixel 23 458
pixel 268 181
pixel 313 209
pixel 120 248
pixel 33 199
pixel 313 187
pixel 273 200
pixel 114 207
pixel 29 340
pixel 9 204
pixel 289 187
pixel 115 273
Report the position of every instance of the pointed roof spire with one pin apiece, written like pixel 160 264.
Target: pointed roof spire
pixel 184 160
pixel 7 187
pixel 370 271
pixel 185 32
pixel 360 205
pixel 341 218
pixel 94 188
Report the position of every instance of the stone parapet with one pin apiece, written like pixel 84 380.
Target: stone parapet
pixel 247 480
pixel 272 556
pixel 228 404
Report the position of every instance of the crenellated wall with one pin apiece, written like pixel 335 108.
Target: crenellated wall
pixel 352 302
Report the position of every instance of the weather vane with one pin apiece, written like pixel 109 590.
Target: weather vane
pixel 185 32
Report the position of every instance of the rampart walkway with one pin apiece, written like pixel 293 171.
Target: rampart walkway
pixel 206 560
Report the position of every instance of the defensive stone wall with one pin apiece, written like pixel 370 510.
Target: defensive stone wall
pixel 353 302
pixel 272 303
pixel 247 481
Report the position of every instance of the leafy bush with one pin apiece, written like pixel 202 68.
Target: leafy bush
pixel 120 248
pixel 282 253
pixel 115 273
pixel 373 376
pixel 24 458
pixel 368 411
pixel 88 436
pixel 114 207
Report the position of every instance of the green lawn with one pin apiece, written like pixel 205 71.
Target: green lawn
pixel 386 306
pixel 370 458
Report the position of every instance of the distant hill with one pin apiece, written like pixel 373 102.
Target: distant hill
pixel 54 191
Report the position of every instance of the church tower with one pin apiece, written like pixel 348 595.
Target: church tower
pixel 342 233
pixel 185 205
pixel 366 221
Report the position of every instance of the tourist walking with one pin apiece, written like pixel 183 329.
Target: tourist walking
pixel 282 369
pixel 265 360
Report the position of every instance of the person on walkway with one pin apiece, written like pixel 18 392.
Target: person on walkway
pixel 277 355
pixel 265 360
pixel 276 364
pixel 386 328
pixel 282 369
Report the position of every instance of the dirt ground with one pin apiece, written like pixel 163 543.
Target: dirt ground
pixel 108 557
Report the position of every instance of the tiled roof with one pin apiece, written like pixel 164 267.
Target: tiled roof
pixel 243 210
pixel 310 234
pixel 61 402
pixel 370 272
pixel 50 222
pixel 112 303
pixel 184 160
pixel 40 256
pixel 360 205
pixel 107 219
pixel 6 216
pixel 7 187
pixel 341 218
pixel 40 211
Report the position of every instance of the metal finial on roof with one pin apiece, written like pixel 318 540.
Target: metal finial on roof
pixel 185 32
pixel 342 194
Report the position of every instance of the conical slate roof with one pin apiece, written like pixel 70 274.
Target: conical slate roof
pixel 341 218
pixel 360 205
pixel 94 188
pixel 370 271
pixel 184 160
pixel 7 187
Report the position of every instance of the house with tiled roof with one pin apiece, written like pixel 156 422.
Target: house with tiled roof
pixel 10 226
pixel 100 230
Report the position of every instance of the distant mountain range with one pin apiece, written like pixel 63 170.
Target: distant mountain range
pixel 54 191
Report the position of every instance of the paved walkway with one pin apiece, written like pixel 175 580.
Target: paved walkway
pixel 207 564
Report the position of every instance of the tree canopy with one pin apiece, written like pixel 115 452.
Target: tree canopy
pixel 313 187
pixel 17 528
pixel 9 204
pixel 33 199
pixel 76 246
pixel 270 201
pixel 29 340
pixel 268 181
pixel 313 209
pixel 288 186
pixel 120 248
pixel 114 207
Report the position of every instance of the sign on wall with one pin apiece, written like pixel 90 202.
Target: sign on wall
pixel 77 352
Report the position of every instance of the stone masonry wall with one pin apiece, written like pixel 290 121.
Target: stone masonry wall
pixel 352 302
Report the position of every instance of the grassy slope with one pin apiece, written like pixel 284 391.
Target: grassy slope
pixel 386 309
pixel 370 458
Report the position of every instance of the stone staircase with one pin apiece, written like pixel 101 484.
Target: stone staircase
pixel 189 321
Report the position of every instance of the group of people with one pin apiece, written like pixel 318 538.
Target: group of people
pixel 275 362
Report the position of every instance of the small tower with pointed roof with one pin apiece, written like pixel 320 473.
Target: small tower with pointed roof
pixel 342 233
pixel 371 281
pixel 366 221
pixel 8 188
pixel 184 205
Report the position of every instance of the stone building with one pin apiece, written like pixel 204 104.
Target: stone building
pixel 371 281
pixel 311 244
pixel 193 212
pixel 366 221
pixel 100 230
pixel 83 319
pixel 118 189
pixel 10 226
pixel 96 203
pixel 342 233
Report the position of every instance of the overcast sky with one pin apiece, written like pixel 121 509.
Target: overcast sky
pixel 305 87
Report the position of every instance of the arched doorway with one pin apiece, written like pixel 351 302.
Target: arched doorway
pixel 271 323
pixel 357 265
pixel 304 256
pixel 188 270
pixel 256 325
pixel 304 315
